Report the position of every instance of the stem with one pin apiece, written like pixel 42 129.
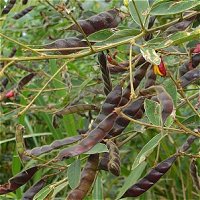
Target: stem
pixel 5 67
pixel 19 43
pixel 29 105
pixel 138 14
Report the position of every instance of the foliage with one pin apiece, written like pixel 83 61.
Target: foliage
pixel 99 99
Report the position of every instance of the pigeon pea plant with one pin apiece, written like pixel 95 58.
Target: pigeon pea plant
pixel 115 91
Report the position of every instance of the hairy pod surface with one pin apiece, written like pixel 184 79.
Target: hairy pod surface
pixel 94 136
pixel 34 189
pixel 66 43
pixel 25 80
pixel 23 12
pixel 150 179
pixel 104 20
pixel 190 77
pixel 8 7
pixel 188 143
pixel 18 180
pixel 87 178
pixel 105 73
pixel 111 102
pixel 194 174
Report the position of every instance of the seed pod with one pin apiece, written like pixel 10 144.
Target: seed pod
pixel 24 2
pixel 190 77
pixel 149 36
pixel 37 151
pixel 111 102
pixel 150 179
pixel 104 20
pixel 33 190
pixel 196 49
pixel 71 109
pixel 23 12
pixel 66 43
pixel 189 65
pixel 8 7
pixel 87 178
pixel 105 73
pixel 150 78
pixel 188 143
pixel 132 111
pixel 22 67
pixel 25 80
pixel 10 94
pixel 4 83
pixel 94 136
pixel 114 158
pixel 180 26
pixel 17 181
pixel 194 174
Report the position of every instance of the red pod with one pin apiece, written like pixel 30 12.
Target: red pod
pixel 197 49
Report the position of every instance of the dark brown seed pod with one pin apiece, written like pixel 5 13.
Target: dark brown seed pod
pixel 24 2
pixel 190 64
pixel 25 68
pixel 180 26
pixel 23 12
pixel 103 164
pixel 188 143
pixel 132 111
pixel 151 23
pixel 71 109
pixel 104 20
pixel 94 136
pixel 33 190
pixel 194 174
pixel 18 180
pixel 114 158
pixel 111 102
pixel 25 80
pixel 190 77
pixel 150 179
pixel 37 151
pixel 4 83
pixel 150 78
pixel 72 42
pixel 87 178
pixel 105 72
pixel 8 7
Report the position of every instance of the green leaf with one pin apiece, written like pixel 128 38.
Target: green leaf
pixel 153 113
pixel 147 150
pixel 173 7
pixel 74 174
pixel 119 36
pixel 98 148
pixel 132 178
pixel 100 35
pixel 142 8
pixel 58 188
pixel 42 194
pixel 150 55
pixel 98 189
pixel 171 90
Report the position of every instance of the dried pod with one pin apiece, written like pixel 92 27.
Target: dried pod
pixel 194 174
pixel 105 73
pixel 180 26
pixel 71 109
pixel 188 143
pixel 72 42
pixel 132 111
pixel 33 190
pixel 114 158
pixel 149 36
pixel 18 180
pixel 22 67
pixel 25 80
pixel 150 78
pixel 37 151
pixel 104 20
pixel 111 102
pixel 103 164
pixel 190 77
pixel 8 7
pixel 151 178
pixel 23 12
pixel 87 178
pixel 4 83
pixel 113 69
pixel 189 65
pixel 24 2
